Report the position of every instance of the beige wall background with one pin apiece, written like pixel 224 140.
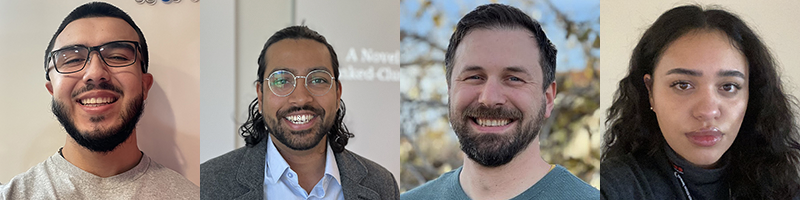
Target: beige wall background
pixel 168 131
pixel 622 24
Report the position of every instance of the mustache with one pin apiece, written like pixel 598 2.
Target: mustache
pixel 99 86
pixel 487 112
pixel 313 109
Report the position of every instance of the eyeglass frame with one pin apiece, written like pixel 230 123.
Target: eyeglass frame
pixel 51 54
pixel 294 84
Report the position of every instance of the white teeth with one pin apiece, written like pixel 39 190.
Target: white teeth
pixel 101 100
pixel 300 119
pixel 492 122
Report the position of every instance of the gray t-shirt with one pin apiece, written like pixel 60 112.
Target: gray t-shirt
pixel 57 178
pixel 557 184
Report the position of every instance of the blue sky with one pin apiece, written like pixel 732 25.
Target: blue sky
pixel 570 55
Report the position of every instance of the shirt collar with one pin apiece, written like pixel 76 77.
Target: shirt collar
pixel 276 166
pixel 331 167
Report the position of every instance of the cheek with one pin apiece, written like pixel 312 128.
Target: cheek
pixel 130 82
pixel 671 112
pixel 62 88
pixel 736 112
pixel 329 102
pixel 461 97
pixel 271 104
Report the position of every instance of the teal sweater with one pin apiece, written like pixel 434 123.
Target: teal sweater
pixel 557 184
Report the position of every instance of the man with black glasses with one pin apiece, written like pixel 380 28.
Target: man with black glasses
pixel 294 132
pixel 96 71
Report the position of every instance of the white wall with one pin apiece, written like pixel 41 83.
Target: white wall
pixel 218 73
pixel 233 33
pixel 622 23
pixel 373 106
pixel 169 129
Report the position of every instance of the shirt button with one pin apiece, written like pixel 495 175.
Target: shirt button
pixel 291 175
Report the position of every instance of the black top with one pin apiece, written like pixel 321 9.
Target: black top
pixel 653 177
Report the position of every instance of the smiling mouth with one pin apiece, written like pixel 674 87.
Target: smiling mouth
pixel 299 119
pixel 486 122
pixel 97 101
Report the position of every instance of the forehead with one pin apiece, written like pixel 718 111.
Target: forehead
pixel 298 56
pixel 498 48
pixel 95 31
pixel 702 50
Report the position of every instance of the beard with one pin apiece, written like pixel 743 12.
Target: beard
pixel 492 149
pixel 297 140
pixel 101 140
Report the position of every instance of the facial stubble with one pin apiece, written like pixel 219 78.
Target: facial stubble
pixel 493 149
pixel 295 139
pixel 101 140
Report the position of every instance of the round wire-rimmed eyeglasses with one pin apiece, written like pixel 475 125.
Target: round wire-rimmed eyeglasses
pixel 282 83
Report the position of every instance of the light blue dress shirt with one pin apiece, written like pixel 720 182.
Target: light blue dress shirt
pixel 280 181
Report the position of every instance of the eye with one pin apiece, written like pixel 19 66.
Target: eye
pixel 681 85
pixel 279 82
pixel 516 79
pixel 731 87
pixel 319 80
pixel 473 77
pixel 117 58
pixel 72 61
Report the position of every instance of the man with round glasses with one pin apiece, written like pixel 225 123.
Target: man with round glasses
pixel 294 132
pixel 96 71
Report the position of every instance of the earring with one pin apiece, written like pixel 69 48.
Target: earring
pixel 651 107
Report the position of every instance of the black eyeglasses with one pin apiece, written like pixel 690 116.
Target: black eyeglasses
pixel 282 82
pixel 73 59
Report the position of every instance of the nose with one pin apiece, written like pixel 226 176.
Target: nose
pixel 96 70
pixel 491 94
pixel 707 106
pixel 300 96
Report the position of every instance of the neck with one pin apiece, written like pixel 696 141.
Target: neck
pixel 105 164
pixel 505 181
pixel 309 164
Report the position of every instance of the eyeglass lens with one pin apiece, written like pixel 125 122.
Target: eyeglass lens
pixel 73 59
pixel 282 83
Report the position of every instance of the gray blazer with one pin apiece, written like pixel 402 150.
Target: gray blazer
pixel 239 174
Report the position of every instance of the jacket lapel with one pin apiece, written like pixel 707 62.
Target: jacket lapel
pixel 251 171
pixel 352 172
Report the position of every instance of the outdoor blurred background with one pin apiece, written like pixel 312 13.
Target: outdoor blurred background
pixel 570 137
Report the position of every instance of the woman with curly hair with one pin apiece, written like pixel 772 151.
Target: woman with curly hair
pixel 701 114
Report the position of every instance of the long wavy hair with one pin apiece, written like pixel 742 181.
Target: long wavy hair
pixel 254 130
pixel 765 155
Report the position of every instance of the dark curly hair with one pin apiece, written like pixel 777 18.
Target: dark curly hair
pixel 254 130
pixel 767 140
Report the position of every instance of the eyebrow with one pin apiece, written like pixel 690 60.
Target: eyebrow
pixel 69 46
pixel 723 73
pixel 511 69
pixel 731 73
pixel 473 68
pixel 516 69
pixel 685 72
pixel 293 71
